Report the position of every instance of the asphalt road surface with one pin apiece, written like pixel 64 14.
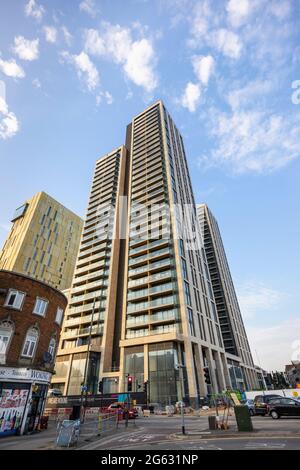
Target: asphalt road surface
pixel 158 433
pixel 163 433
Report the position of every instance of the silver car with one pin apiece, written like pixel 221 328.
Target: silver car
pixel 250 403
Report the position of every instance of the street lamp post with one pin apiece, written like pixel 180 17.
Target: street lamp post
pixel 180 367
pixel 84 387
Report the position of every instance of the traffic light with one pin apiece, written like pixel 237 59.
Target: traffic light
pixel 145 388
pixel 206 375
pixel 100 386
pixel 129 383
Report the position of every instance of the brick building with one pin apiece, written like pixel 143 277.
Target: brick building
pixel 31 314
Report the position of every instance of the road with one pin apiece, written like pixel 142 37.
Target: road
pixel 158 433
pixel 163 433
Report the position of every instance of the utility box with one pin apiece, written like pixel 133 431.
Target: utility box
pixel 243 418
pixel 212 423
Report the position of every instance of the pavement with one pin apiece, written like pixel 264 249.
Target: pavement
pixel 160 432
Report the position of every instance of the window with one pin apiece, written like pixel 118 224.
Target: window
pixel 51 349
pixel 6 330
pixel 26 264
pixel 59 315
pixel 30 343
pixel 15 299
pixel 181 247
pixel 40 306
pixel 187 293
pixel 191 322
pixel 184 269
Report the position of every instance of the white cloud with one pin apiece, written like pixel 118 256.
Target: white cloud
pixel 2 90
pixel 36 83
pixel 94 43
pixel 106 95
pixel 275 344
pixel 67 35
pixel 203 67
pixel 238 11
pixel 250 93
pixel 280 9
pixel 85 68
pixel 227 42
pixel 256 297
pixel 191 96
pixel 137 57
pixel 253 140
pixel 201 20
pixel 50 34
pixel 11 68
pixel 32 8
pixel 26 49
pixel 88 6
pixel 138 64
pixel 9 125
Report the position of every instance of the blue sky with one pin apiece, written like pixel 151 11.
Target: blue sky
pixel 73 74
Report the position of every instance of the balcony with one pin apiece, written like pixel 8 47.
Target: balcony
pixel 89 267
pixel 86 308
pixel 80 280
pixel 150 267
pixel 159 289
pixel 88 286
pixel 89 259
pixel 150 279
pixel 91 295
pixel 96 330
pixel 149 246
pixel 169 300
pixel 86 319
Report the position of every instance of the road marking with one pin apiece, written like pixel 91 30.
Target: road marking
pixel 264 445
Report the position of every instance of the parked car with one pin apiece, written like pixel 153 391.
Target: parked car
pixel 261 402
pixel 250 404
pixel 113 407
pixel 283 406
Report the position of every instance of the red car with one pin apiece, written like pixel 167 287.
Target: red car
pixel 114 407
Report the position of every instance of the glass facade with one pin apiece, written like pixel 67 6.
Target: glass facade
pixel 164 384
pixel 134 366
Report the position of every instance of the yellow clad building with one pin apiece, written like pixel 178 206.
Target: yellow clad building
pixel 43 241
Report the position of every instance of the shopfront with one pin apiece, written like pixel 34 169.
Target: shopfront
pixel 23 394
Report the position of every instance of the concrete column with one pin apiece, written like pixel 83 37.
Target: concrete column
pixel 146 362
pixel 226 371
pixel 190 372
pixel 219 367
pixel 210 360
pixel 68 374
pixel 122 371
